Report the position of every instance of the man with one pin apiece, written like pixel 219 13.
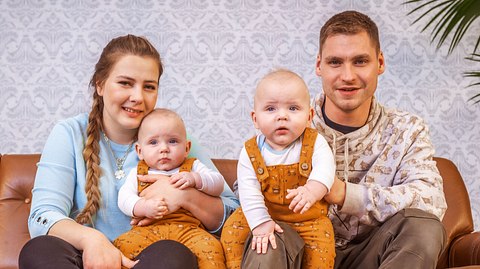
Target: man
pixel 387 200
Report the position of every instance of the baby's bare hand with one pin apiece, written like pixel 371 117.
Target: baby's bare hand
pixel 155 208
pixel 183 180
pixel 302 201
pixel 263 234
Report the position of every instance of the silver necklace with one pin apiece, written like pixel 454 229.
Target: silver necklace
pixel 119 173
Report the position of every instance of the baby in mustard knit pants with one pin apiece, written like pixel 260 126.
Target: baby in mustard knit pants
pixel 283 175
pixel 163 149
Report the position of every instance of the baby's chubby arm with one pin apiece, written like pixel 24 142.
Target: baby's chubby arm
pixel 320 180
pixel 201 178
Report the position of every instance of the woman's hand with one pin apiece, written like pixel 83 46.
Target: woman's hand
pixel 99 253
pixel 264 233
pixel 126 262
pixel 161 189
pixel 208 209
pixel 150 208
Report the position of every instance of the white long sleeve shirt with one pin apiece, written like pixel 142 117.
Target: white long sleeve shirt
pixel 251 197
pixel 212 184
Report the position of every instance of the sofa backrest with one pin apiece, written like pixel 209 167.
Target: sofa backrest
pixel 17 173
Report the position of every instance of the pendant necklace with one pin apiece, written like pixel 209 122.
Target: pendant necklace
pixel 119 173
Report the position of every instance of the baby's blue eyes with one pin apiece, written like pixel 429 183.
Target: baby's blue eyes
pixel 155 142
pixel 293 108
pixel 152 142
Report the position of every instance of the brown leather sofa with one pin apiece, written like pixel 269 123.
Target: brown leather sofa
pixel 17 175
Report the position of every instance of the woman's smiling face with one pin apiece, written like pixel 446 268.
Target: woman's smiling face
pixel 129 93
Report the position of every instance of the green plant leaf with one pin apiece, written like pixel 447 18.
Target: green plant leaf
pixel 475 75
pixel 450 17
pixel 475 98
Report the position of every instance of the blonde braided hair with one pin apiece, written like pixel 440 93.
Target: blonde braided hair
pixel 115 49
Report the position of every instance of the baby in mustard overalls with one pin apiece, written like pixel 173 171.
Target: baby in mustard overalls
pixel 163 148
pixel 283 175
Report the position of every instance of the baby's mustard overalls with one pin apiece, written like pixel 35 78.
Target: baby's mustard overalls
pixel 180 226
pixel 314 226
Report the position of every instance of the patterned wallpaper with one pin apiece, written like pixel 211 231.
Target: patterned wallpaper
pixel 214 52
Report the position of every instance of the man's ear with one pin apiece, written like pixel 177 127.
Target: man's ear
pixel 188 146
pixel 254 119
pixel 138 149
pixel 318 70
pixel 381 63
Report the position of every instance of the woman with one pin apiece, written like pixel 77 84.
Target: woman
pixel 83 166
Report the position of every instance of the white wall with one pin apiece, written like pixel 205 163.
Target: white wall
pixel 214 52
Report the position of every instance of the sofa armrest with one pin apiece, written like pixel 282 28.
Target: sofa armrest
pixel 17 173
pixel 465 250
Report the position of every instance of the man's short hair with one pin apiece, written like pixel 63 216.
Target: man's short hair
pixel 349 23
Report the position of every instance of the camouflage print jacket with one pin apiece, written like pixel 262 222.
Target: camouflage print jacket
pixel 387 165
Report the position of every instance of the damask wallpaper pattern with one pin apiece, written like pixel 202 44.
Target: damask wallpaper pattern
pixel 214 53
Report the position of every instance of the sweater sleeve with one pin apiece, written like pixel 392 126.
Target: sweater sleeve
pixel 249 190
pixel 416 182
pixel 54 187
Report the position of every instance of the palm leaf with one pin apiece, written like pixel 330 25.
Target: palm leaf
pixel 476 96
pixel 475 75
pixel 449 17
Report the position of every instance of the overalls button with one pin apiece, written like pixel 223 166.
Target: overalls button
pixel 260 171
pixel 304 166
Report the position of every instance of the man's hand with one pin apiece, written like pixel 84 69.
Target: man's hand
pixel 264 233
pixel 337 193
